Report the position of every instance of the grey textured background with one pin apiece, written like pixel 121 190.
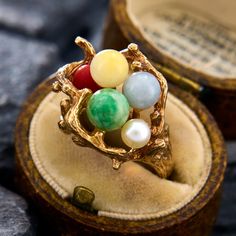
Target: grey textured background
pixel 36 37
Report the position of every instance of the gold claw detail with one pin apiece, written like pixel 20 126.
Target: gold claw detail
pixel 156 154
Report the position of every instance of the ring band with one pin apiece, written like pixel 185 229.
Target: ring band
pixel 156 154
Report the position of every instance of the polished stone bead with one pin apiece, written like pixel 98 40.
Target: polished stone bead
pixel 108 109
pixel 142 90
pixel 136 133
pixel 109 68
pixel 82 79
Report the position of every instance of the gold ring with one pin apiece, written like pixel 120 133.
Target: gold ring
pixel 94 108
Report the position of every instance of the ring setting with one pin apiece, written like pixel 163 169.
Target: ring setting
pixel 94 106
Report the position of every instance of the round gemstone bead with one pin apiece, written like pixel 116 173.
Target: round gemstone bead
pixel 82 79
pixel 108 109
pixel 136 133
pixel 142 90
pixel 109 68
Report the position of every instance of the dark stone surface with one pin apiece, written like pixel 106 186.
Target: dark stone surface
pixel 14 218
pixel 41 18
pixel 91 27
pixel 35 37
pixel 226 222
pixel 231 148
pixel 25 63
pixel 48 19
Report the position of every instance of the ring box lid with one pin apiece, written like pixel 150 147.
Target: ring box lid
pixel 193 39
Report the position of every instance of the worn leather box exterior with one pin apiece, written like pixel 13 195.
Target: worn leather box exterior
pixel 196 218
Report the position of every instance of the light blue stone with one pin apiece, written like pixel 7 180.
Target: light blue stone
pixel 142 90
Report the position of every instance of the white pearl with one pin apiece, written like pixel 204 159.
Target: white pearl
pixel 135 133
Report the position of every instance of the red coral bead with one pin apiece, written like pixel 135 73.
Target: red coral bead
pixel 82 79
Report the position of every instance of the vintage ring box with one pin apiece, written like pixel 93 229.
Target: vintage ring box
pixel 191 42
pixel 132 200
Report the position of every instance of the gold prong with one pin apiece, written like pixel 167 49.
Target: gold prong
pixel 116 164
pixel 87 47
pixel 133 47
pixel 56 87
pixel 136 66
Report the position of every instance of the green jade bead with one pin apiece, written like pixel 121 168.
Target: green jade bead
pixel 108 109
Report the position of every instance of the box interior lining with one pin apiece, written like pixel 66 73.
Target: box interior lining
pixel 132 192
pixel 198 34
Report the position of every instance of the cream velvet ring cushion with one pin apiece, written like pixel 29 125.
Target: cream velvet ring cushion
pixel 132 192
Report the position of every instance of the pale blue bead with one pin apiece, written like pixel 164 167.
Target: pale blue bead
pixel 142 90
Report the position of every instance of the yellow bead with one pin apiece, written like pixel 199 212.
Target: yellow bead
pixel 109 68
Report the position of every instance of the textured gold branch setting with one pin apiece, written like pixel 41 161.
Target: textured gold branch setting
pixel 156 153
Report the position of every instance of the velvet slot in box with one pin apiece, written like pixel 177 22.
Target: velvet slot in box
pixel 132 200
pixel 191 43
